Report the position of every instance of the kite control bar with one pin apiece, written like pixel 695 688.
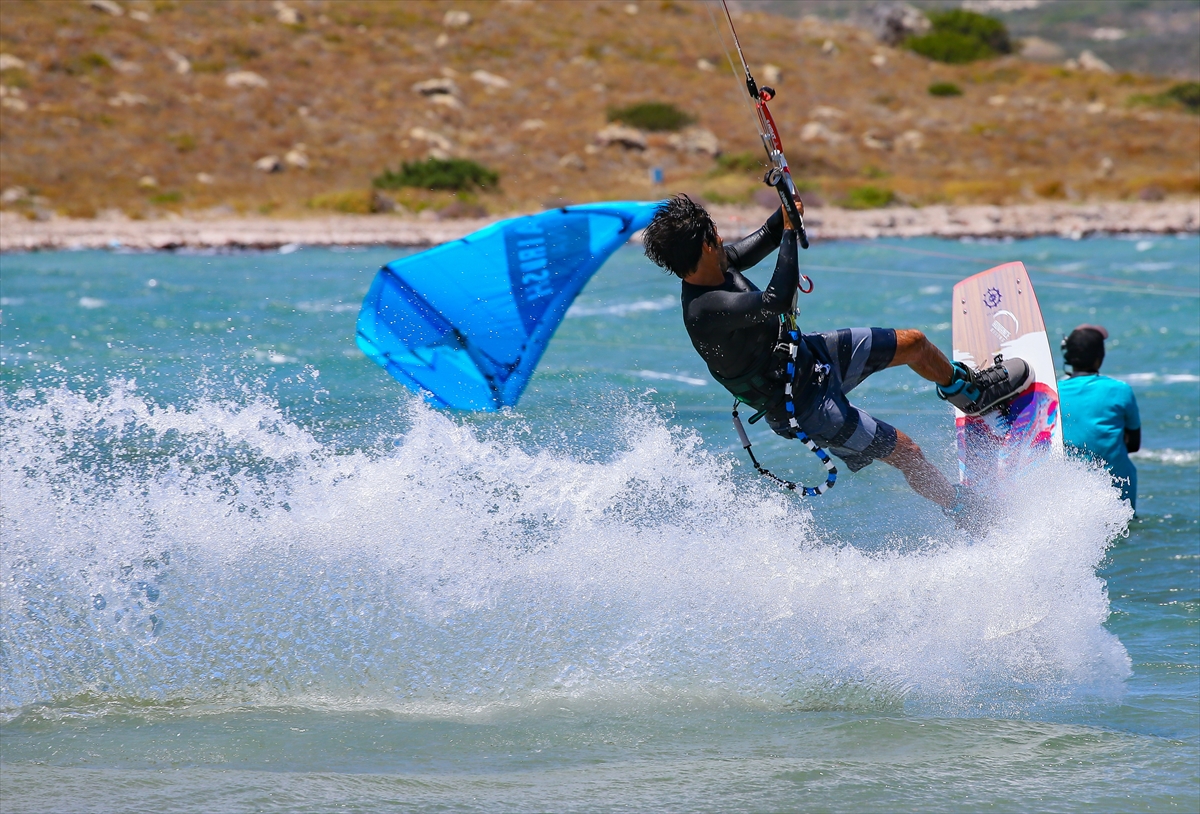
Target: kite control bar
pixel 778 176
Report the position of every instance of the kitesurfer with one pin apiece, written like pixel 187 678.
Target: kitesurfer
pixel 737 330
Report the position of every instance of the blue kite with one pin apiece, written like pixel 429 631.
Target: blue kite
pixel 466 323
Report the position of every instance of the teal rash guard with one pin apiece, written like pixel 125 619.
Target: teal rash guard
pixel 1097 410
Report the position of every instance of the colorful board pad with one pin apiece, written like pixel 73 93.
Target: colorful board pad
pixel 996 312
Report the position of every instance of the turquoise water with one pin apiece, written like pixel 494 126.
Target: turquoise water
pixel 243 570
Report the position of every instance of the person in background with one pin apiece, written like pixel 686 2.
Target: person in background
pixel 1100 414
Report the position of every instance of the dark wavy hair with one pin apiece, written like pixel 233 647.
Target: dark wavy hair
pixel 680 229
pixel 1084 349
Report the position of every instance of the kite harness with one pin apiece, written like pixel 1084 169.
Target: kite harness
pixel 789 405
pixel 779 177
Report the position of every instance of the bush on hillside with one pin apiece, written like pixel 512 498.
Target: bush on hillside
pixel 458 174
pixel 351 202
pixel 868 197
pixel 959 36
pixel 1187 94
pixel 656 116
pixel 740 162
pixel 944 89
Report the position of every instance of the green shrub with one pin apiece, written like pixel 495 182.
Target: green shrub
pixel 14 78
pixel 438 173
pixel 959 36
pixel 1051 189
pixel 944 89
pixel 1187 94
pixel 171 197
pixel 948 46
pixel 740 162
pixel 184 142
pixel 987 29
pixel 352 202
pixel 868 197
pixel 729 187
pixel 94 61
pixel 651 116
pixel 242 50
pixel 85 64
pixel 718 196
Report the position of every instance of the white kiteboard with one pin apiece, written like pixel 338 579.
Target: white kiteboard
pixel 996 312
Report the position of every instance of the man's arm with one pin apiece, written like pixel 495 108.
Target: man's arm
pixel 729 309
pixel 1133 422
pixel 1133 440
pixel 750 250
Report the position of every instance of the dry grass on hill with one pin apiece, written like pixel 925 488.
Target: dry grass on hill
pixel 103 104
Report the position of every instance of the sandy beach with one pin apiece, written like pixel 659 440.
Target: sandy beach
pixel 1061 219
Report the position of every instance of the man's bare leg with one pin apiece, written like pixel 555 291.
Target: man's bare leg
pixel 914 349
pixel 922 476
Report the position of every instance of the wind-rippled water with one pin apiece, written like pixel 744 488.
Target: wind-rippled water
pixel 244 570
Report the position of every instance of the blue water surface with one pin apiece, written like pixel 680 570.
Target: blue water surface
pixel 245 570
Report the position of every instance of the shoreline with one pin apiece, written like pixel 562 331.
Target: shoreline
pixel 1070 220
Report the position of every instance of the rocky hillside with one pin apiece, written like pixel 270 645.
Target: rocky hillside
pixel 147 108
pixel 1160 37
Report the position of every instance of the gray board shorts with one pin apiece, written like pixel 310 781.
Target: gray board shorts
pixel 822 409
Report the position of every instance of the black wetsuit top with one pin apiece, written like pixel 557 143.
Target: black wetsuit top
pixel 735 326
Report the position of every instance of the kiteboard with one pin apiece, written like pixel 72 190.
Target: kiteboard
pixel 996 313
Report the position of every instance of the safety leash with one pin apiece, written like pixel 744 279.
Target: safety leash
pixel 790 406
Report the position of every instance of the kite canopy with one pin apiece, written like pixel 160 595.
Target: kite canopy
pixel 465 323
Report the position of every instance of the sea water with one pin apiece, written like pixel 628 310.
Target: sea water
pixel 244 570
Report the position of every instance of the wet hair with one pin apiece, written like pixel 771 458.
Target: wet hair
pixel 1083 349
pixel 679 231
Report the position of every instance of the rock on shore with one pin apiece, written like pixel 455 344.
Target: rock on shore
pixel 1062 219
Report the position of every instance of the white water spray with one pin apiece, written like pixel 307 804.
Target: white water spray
pixel 218 553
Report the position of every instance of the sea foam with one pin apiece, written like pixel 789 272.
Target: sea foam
pixel 216 552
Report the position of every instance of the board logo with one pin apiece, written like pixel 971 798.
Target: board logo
pixel 1002 332
pixel 992 298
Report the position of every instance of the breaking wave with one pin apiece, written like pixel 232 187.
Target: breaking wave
pixel 1155 378
pixel 217 552
pixel 1171 457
